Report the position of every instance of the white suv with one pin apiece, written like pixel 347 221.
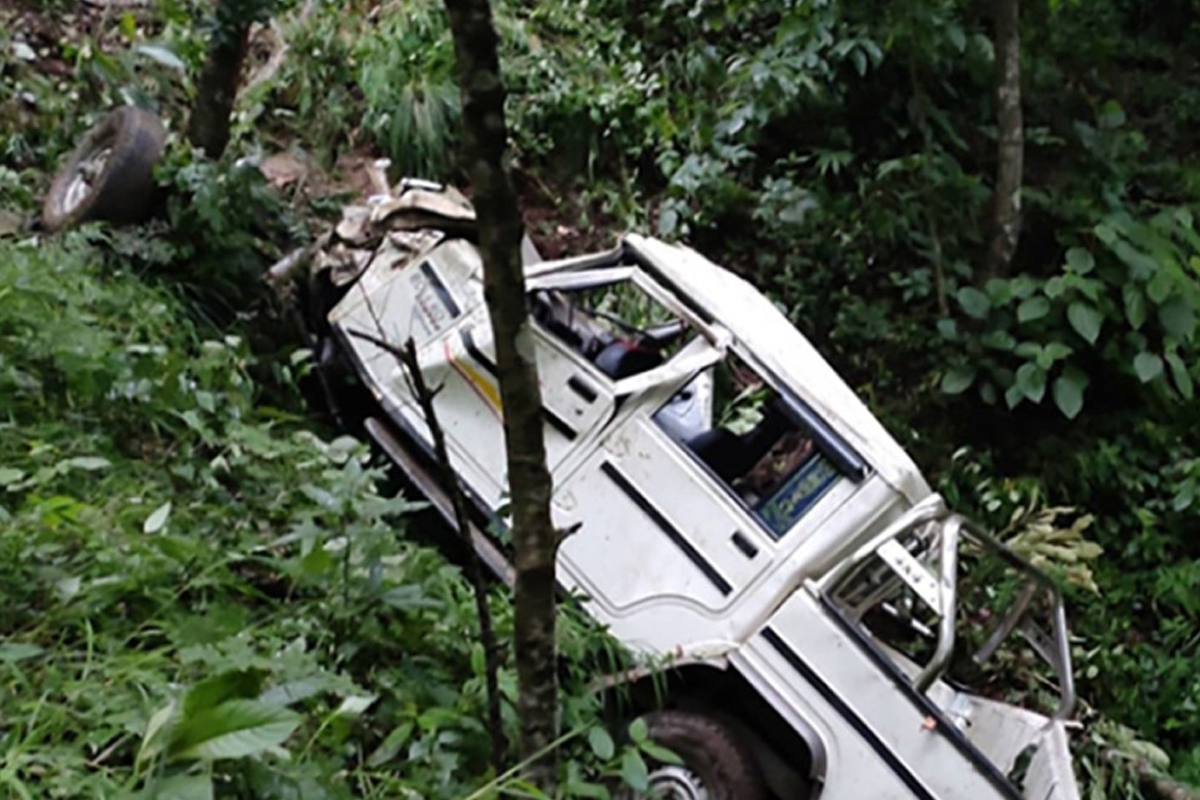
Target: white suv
pixel 741 518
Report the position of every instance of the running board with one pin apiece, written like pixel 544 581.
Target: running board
pixel 429 486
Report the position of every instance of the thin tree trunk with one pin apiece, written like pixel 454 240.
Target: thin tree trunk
pixel 1010 139
pixel 485 135
pixel 407 356
pixel 208 126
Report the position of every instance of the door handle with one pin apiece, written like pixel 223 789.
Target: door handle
pixel 582 388
pixel 745 545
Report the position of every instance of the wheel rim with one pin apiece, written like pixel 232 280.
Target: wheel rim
pixel 676 783
pixel 84 178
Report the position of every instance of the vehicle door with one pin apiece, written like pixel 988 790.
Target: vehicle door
pixel 711 479
pixel 650 534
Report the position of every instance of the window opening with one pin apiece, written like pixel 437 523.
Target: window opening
pixel 751 438
pixel 616 325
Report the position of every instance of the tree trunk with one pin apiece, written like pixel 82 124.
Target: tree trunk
pixel 1010 139
pixel 208 127
pixel 485 135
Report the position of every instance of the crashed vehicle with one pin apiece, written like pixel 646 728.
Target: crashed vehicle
pixel 741 519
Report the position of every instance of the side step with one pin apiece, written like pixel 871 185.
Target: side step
pixel 432 489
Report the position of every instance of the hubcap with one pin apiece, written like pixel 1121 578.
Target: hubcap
pixel 85 176
pixel 676 783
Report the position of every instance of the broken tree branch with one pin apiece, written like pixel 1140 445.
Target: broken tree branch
pixel 407 357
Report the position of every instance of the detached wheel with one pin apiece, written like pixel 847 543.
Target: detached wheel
pixel 110 175
pixel 717 764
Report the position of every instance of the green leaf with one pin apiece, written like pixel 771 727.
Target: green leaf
pixel 1148 366
pixel 1068 391
pixel 1033 309
pixel 1013 396
pixel 1105 233
pixel 1178 318
pixel 1135 305
pixel 158 730
pixel 355 705
pixel 1080 261
pixel 1086 319
pixel 1032 380
pixel 998 340
pixel 1028 350
pixel 668 220
pixel 157 519
pixel 233 729
pixel 660 753
pixel 974 302
pixel 1179 374
pixel 391 745
pixel 987 393
pixel 19 651
pixel 958 379
pixel 1141 266
pixel 162 55
pixel 1068 397
pixel 183 787
pixel 634 771
pixel 1056 351
pixel 638 731
pixel 243 684
pixel 89 463
pixel 1111 115
pixel 601 743
pixel 1160 287
pixel 10 475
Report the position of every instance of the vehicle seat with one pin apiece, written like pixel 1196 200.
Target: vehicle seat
pixel 624 358
pixel 732 455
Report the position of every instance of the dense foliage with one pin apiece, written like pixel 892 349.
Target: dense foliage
pixel 192 577
pixel 840 154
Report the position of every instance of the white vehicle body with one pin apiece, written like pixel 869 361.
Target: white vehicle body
pixel 772 583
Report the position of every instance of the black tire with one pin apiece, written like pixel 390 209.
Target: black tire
pixel 121 188
pixel 712 753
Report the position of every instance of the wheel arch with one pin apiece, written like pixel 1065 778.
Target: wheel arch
pixel 791 754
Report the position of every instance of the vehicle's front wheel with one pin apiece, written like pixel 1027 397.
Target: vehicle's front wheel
pixel 717 764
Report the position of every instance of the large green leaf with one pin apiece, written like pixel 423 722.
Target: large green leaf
pixel 601 743
pixel 634 771
pixel 958 379
pixel 233 729
pixel 1135 305
pixel 1033 309
pixel 1178 318
pixel 1080 261
pixel 974 302
pixel 1180 375
pixel 1068 395
pixel 158 732
pixel 243 684
pixel 1086 319
pixel 1148 366
pixel 1032 381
